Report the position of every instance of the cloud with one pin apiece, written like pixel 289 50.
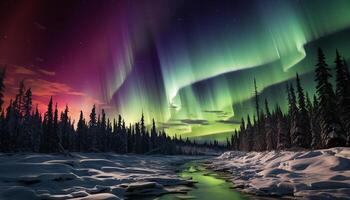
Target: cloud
pixel 24 71
pixel 214 111
pixel 170 124
pixel 43 87
pixel 194 121
pixel 46 72
pixel 228 121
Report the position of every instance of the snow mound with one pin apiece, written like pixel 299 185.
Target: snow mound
pixel 318 174
pixel 86 176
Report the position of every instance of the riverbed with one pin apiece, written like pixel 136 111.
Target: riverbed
pixel 208 185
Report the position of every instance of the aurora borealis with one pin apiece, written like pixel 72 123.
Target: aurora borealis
pixel 188 64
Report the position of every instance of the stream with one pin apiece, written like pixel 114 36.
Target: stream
pixel 209 185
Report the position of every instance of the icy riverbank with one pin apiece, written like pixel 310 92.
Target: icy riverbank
pixel 319 174
pixel 89 176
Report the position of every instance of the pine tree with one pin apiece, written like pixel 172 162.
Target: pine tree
pixel 81 134
pixel 260 132
pixel 303 118
pixel 55 141
pixel 65 129
pixel 153 135
pixel 47 129
pixel 28 103
pixel 315 125
pixel 348 75
pixel 296 131
pixel 37 130
pixel 343 92
pixel 92 131
pixel 19 101
pixel 102 131
pixel 282 130
pixel 249 135
pixel 242 135
pixel 142 124
pixel 233 141
pixel 10 134
pixel 270 128
pixel 331 130
pixel 27 131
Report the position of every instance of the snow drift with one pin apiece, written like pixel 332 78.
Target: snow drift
pixel 88 176
pixel 318 174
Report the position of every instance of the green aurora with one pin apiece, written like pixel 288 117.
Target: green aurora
pixel 207 68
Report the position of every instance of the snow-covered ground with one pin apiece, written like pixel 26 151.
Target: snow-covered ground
pixel 88 176
pixel 318 174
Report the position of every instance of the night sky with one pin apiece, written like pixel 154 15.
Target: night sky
pixel 189 64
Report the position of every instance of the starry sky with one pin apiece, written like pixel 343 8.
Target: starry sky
pixel 190 64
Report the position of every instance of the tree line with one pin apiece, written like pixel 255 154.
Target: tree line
pixel 320 121
pixel 24 129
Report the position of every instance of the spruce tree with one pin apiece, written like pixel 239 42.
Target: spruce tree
pixel 81 134
pixel 153 135
pixel 10 133
pixel 55 141
pixel 65 129
pixel 242 135
pixel 46 140
pixel 233 141
pixel 303 117
pixel 92 131
pixel 316 142
pixel 19 100
pixel 282 130
pixel 332 133
pixel 27 136
pixel 37 130
pixel 102 131
pixel 270 128
pixel 28 103
pixel 343 92
pixel 249 135
pixel 296 131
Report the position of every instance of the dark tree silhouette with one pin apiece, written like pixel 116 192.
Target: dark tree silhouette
pixel 282 130
pixel 270 128
pixel 332 133
pixel 343 92
pixel 303 117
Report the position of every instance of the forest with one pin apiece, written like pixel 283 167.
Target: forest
pixel 312 122
pixel 24 129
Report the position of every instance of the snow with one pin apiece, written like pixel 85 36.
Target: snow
pixel 89 176
pixel 318 174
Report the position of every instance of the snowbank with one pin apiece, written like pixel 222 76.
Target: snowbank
pixel 88 176
pixel 319 174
